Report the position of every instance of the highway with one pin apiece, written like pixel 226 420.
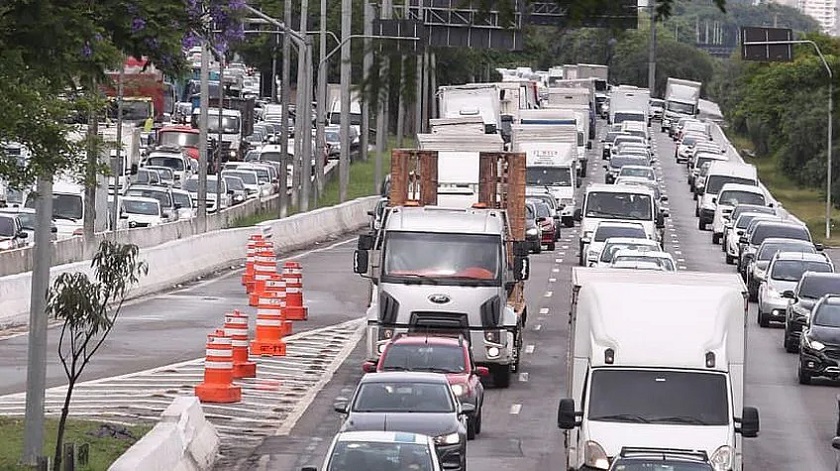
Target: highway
pixel 520 432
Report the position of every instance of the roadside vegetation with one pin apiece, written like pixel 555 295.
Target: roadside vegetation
pixel 106 441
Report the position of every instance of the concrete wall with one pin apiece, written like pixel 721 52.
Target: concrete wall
pixel 182 259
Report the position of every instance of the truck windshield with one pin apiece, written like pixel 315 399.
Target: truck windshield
pixel 715 182
pixel 132 110
pixel 230 124
pixel 735 197
pixel 548 176
pixel 615 205
pixel 175 163
pixel 622 117
pixel 440 258
pixel 681 108
pixel 659 397
pixel 178 138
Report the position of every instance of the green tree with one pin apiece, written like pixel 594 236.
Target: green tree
pixel 89 311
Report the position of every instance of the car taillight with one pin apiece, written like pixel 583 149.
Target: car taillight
pixel 79 231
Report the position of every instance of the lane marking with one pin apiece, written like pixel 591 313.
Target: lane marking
pixel 515 408
pixel 555 270
pixel 544 310
pixel 548 294
pixel 523 377
pixel 558 260
pixel 530 348
pixel 538 327
pixel 552 280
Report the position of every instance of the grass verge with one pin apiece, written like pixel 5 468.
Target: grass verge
pixel 361 184
pixel 105 448
pixel 807 204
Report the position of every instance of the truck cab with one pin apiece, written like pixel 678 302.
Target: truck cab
pixel 231 127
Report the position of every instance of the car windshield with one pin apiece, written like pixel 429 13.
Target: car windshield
pixel 767 251
pixel 543 211
pixel 179 138
pixel 262 174
pixel 249 178
pixel 815 287
pixel 613 135
pixel 663 262
pixel 715 182
pixel 191 185
pixel 637 172
pixel 182 199
pixel 611 248
pixel 619 205
pixel 439 258
pixel 234 183
pixel 605 232
pixel 7 226
pixel 744 220
pixel 637 464
pixel 403 396
pixel 151 208
pixel 424 357
pixel 625 138
pixel 735 197
pixel 332 137
pixel 792 270
pixel 548 176
pixel 380 456
pixel 175 163
pixel 828 315
pixel 143 177
pixel 27 220
pixel 270 157
pixel 782 231
pixel 659 397
pixel 619 161
pixel 689 141
pixel 164 172
pixel 701 160
pixel 682 108
pixel 161 196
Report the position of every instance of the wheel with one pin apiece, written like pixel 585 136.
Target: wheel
pixel 763 321
pixel 694 197
pixel 753 293
pixel 701 225
pixel 730 260
pixel 501 376
pixel 568 222
pixel 583 172
pixel 538 249
pixel 471 433
pixel 478 419
pixel 551 247
pixel 804 377
pixel 789 344
pixel 557 234
pixel 696 211
pixel 715 238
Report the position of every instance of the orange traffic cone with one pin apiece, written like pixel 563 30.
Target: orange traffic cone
pixel 265 267
pixel 236 327
pixel 293 275
pixel 250 255
pixel 276 288
pixel 218 371
pixel 268 339
pixel 250 272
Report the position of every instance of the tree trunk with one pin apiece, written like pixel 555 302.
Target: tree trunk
pixel 59 439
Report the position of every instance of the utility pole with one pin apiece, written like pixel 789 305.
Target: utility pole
pixel 418 94
pixel 306 144
pixel 203 135
pixel 367 62
pixel 89 216
pixel 652 57
pixel 117 169
pixel 344 159
pixel 284 104
pixel 382 117
pixel 36 359
pixel 274 68
pixel 320 105
pixel 219 146
pixel 433 85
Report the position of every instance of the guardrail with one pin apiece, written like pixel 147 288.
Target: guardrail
pixel 76 249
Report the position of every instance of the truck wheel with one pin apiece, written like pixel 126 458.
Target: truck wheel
pixel 501 376
pixel 701 225
pixel 763 321
pixel 551 247
pixel 568 221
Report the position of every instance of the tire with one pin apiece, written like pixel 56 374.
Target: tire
pixel 501 377
pixel 471 433
pixel 478 419
pixel 583 172
pixel 551 247
pixel 763 321
pixel 568 222
pixel 804 378
pixel 715 238
pixel 701 225
pixel 789 345
pixel 730 260
pixel 696 210
pixel 694 197
pixel 538 250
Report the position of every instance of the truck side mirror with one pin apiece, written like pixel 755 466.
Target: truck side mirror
pixel 360 261
pixel 577 216
pixel 743 240
pixel 521 268
pixel 835 443
pixel 365 242
pixel 749 423
pixel 566 415
pixel 788 294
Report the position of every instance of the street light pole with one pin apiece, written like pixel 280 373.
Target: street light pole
pixel 219 146
pixel 202 135
pixel 119 171
pixel 344 156
pixel 652 52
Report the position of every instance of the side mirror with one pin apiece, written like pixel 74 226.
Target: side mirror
pixel 578 215
pixel 22 235
pixel 541 219
pixel 360 261
pixel 369 367
pixel 663 198
pixel 178 206
pixel 606 167
pixel 749 423
pixel 743 240
pixel 714 199
pixel 371 213
pixel 585 240
pixel 467 408
pixel 134 169
pixel 819 247
pixel 788 294
pixel 53 229
pixel 122 216
pixel 566 416
pixel 365 242
pixel 231 192
pixel 770 205
pixel 340 407
pixel 835 443
pixel 521 268
pixel 740 233
pixel 482 371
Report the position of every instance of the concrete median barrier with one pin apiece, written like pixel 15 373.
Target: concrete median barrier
pixel 184 259
pixel 183 440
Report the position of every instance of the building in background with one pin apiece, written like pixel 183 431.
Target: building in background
pixel 824 11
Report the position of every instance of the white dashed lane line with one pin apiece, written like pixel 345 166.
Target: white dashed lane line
pixel 548 294
pixel 523 377
pixel 544 311
pixel 515 408
pixel 530 348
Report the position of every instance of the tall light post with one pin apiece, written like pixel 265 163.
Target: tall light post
pixel 652 49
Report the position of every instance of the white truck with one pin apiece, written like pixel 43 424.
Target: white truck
pixel 551 166
pixel 477 99
pixel 231 126
pixel 628 103
pixel 682 100
pixel 121 176
pixel 657 360
pixel 595 71
pixel 570 72
pixel 556 118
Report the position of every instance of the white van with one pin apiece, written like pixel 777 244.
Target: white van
pixel 720 173
pixel 731 195
pixel 68 208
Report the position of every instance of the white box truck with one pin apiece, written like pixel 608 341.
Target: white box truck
pixel 628 103
pixel 472 100
pixel 682 99
pixel 574 133
pixel 551 166
pixel 656 360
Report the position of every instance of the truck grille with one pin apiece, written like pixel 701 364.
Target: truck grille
pixel 448 323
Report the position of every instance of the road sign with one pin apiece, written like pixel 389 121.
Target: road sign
pixel 766 52
pixel 618 14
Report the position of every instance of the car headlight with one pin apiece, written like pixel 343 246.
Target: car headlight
pixel 449 439
pixel 813 344
pixel 721 459
pixel 459 389
pixel 493 352
pixel 532 231
pixel 232 153
pixel 595 456
pixel 493 336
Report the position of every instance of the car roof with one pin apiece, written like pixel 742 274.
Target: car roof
pixel 741 187
pixel 648 167
pixel 17 210
pixel 144 199
pixel 817 274
pixel 427 340
pixel 784 240
pixel 404 377
pixel 380 436
pixel 149 188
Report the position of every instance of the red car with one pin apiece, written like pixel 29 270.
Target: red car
pixel 548 226
pixel 447 355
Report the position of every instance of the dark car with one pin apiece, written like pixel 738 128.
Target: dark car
pixel 819 345
pixel 766 230
pixel 660 459
pixel 533 235
pixel 609 141
pixel 757 268
pixel 729 219
pixel 548 225
pixel 446 355
pixel 618 161
pixel 810 288
pixel 415 403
